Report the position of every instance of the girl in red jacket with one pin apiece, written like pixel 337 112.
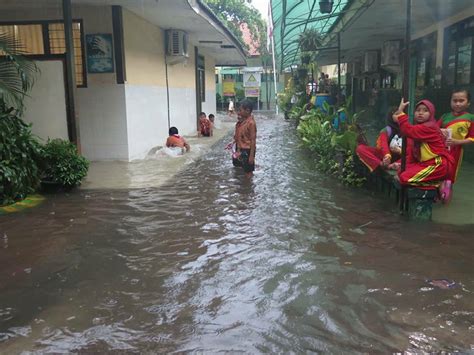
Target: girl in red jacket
pixel 429 162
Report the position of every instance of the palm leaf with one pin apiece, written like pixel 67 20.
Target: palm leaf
pixel 17 73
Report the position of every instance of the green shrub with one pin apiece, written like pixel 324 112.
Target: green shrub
pixel 62 164
pixel 334 149
pixel 19 152
pixel 239 94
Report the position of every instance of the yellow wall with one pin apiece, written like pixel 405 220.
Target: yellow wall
pixel 144 51
pixel 210 73
pixel 145 57
pixel 183 75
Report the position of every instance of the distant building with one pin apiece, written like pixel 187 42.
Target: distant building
pixel 254 60
pixel 133 78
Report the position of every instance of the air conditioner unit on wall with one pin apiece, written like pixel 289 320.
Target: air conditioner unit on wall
pixel 371 61
pixel 391 53
pixel 177 44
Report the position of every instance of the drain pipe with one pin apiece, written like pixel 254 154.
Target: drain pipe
pixel 167 90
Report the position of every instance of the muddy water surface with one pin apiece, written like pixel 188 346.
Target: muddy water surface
pixel 289 261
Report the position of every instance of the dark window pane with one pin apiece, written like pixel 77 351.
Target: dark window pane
pixel 463 68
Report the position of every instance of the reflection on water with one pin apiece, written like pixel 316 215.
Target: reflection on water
pixel 288 261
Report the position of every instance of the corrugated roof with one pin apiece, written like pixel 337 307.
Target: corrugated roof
pixel 292 17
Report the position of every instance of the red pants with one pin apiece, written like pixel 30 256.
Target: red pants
pixel 370 156
pixel 456 152
pixel 429 173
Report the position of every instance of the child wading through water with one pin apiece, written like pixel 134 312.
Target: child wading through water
pixel 245 138
pixel 176 141
pixel 205 126
pixel 214 124
pixel 458 127
pixel 387 150
pixel 429 162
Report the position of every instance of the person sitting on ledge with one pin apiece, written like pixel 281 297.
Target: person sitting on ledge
pixel 429 162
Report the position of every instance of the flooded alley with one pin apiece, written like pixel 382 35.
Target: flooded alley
pixel 290 261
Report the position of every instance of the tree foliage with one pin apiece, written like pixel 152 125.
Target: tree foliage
pixel 19 150
pixel 234 13
pixel 17 73
pixel 19 153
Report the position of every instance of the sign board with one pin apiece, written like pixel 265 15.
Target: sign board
pixel 252 92
pixel 228 87
pixel 100 57
pixel 252 80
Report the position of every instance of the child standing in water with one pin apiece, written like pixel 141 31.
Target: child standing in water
pixel 429 162
pixel 245 138
pixel 458 127
pixel 387 149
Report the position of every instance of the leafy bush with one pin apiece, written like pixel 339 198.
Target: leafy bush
pixel 239 94
pixel 334 148
pixel 19 152
pixel 62 164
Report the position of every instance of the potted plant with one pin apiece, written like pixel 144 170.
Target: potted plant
pixel 61 166
pixel 309 40
pixel 305 58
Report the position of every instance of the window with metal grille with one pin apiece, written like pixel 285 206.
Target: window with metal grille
pixel 426 60
pixel 459 53
pixel 46 39
pixel 202 78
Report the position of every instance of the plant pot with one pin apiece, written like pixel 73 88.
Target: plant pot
pixel 52 187
pixel 325 6
pixel 305 59
pixel 302 73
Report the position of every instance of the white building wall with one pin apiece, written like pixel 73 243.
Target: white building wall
pixel 209 106
pixel 147 124
pixel 103 123
pixel 146 92
pixel 123 121
pixel 100 107
pixel 183 110
pixel 45 104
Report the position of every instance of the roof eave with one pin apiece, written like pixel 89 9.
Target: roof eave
pixel 201 8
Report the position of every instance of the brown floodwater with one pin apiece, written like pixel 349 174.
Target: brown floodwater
pixel 290 261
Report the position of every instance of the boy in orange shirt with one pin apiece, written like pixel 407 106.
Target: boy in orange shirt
pixel 176 141
pixel 245 138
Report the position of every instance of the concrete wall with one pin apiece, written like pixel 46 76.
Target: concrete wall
pixel 103 122
pixel 45 105
pixel 100 108
pixel 126 121
pixel 145 97
pixel 146 94
pixel 209 106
